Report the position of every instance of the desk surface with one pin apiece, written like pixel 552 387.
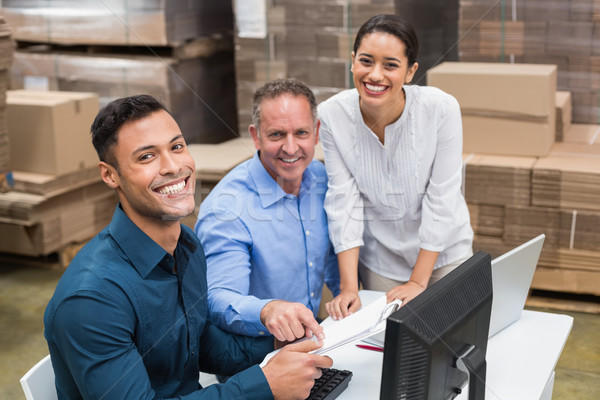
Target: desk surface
pixel 520 358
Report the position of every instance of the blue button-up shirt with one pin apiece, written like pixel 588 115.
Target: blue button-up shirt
pixel 263 244
pixel 123 324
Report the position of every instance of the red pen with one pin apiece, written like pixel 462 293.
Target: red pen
pixel 367 347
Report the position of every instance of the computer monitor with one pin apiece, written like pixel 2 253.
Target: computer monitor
pixel 432 341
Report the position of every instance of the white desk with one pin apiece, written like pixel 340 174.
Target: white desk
pixel 520 359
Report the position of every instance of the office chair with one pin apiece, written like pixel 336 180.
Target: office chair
pixel 38 382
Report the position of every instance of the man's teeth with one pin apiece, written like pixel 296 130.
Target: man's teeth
pixel 172 189
pixel 375 88
pixel 290 160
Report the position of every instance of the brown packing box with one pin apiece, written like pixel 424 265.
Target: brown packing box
pixel 507 108
pixel 505 136
pixel 199 91
pixel 564 111
pixel 49 132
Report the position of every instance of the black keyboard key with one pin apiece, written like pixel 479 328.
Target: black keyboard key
pixel 330 384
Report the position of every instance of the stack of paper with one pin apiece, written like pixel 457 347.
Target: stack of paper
pixel 366 322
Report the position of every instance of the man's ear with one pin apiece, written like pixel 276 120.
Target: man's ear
pixel 109 175
pixel 254 133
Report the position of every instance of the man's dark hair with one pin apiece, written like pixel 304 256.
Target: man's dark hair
pixel 277 87
pixel 113 116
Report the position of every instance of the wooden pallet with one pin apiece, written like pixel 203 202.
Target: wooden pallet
pixel 563 301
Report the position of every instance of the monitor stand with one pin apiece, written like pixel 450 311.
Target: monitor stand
pixel 472 362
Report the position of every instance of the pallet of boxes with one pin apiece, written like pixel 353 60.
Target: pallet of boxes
pixel 179 51
pixel 57 197
pixel 51 195
pixel 71 59
pixel 520 181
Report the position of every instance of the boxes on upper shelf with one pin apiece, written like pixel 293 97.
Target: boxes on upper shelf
pixel 507 108
pixel 49 132
pixel 558 32
pixel 198 91
pixel 118 22
pixel 309 40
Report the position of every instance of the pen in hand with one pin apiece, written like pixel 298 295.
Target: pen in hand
pixel 367 347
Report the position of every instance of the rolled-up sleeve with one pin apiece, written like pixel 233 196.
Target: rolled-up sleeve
pixel 443 212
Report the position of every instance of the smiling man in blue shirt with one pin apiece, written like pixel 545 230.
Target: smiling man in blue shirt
pixel 128 319
pixel 263 227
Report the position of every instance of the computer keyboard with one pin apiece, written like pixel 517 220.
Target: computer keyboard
pixel 330 384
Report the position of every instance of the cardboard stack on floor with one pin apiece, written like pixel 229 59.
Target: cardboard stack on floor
pixel 179 51
pixel 58 197
pixel 519 180
pixel 310 40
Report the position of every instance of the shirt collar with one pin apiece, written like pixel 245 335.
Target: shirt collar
pixel 268 189
pixel 143 252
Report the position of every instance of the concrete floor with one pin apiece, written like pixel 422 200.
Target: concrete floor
pixel 26 286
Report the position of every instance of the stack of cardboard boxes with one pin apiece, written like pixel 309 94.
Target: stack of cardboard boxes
pixel 57 197
pixel 310 40
pixel 179 51
pixel 520 181
pixel 563 33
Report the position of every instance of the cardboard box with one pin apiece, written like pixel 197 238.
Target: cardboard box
pixel 588 134
pixel 507 108
pixel 505 136
pixel 199 92
pixel 49 132
pixel 564 112
pixel 516 89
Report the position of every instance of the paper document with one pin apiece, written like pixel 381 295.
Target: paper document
pixel 365 322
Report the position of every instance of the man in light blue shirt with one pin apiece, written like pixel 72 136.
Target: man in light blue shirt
pixel 263 227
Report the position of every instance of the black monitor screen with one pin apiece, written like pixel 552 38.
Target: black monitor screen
pixel 445 326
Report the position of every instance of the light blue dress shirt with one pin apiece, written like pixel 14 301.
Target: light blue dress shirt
pixel 263 244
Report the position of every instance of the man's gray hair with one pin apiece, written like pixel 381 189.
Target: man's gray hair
pixel 277 87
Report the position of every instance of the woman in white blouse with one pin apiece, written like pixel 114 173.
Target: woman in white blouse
pixel 393 154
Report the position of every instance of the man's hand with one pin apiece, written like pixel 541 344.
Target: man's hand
pixel 405 292
pixel 291 373
pixel 343 305
pixel 290 321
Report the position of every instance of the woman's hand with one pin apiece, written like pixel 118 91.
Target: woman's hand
pixel 405 292
pixel 343 305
